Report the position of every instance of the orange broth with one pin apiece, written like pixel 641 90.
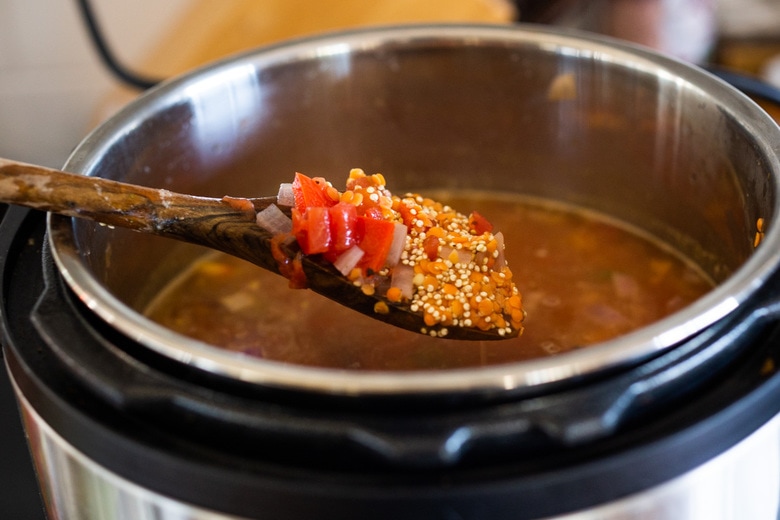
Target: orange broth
pixel 584 278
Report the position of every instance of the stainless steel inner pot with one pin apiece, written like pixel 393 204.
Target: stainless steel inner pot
pixel 538 111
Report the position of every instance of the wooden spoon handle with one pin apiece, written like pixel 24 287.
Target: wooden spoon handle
pixel 206 221
pixel 103 200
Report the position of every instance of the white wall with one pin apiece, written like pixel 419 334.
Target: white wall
pixel 51 78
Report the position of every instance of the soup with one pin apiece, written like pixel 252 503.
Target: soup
pixel 584 278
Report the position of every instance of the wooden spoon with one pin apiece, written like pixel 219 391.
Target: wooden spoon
pixel 210 222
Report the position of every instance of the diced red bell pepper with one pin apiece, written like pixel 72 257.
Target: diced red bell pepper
pixel 309 193
pixel 431 247
pixel 376 242
pixel 373 212
pixel 343 227
pixel 312 229
pixel 323 225
pixel 290 268
pixel 479 224
pixel 406 215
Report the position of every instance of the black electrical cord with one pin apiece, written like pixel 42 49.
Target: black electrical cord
pixel 123 74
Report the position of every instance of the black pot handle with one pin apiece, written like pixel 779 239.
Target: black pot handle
pixel 736 345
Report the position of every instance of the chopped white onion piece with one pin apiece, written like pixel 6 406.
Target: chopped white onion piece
pixel 285 196
pixel 272 219
pixel 348 260
pixel 397 246
pixel 403 276
pixel 464 256
pixel 238 301
pixel 500 259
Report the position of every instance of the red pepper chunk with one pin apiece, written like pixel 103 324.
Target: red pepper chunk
pixel 290 268
pixel 407 216
pixel 479 224
pixel 373 212
pixel 322 225
pixel 309 193
pixel 312 229
pixel 431 247
pixel 343 227
pixel 376 242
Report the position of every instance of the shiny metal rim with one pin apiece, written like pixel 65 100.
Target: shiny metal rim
pixel 516 377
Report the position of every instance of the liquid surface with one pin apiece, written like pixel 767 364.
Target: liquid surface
pixel 584 279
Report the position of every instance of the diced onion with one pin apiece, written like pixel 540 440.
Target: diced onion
pixel 285 196
pixel 238 301
pixel 500 259
pixel 625 286
pixel 273 220
pixel 397 246
pixel 464 256
pixel 402 277
pixel 348 260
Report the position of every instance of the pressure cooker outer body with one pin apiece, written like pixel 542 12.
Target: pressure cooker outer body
pixel 148 439
pixel 535 112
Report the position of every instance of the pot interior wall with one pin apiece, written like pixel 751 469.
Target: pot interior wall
pixel 625 136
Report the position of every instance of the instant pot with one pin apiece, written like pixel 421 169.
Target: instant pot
pixel 127 420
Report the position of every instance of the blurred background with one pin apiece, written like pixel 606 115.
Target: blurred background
pixel 55 86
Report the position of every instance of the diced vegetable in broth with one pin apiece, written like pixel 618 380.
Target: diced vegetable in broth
pixel 584 279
